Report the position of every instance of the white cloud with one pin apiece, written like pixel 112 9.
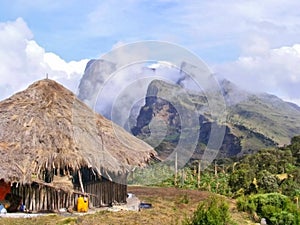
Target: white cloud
pixel 58 64
pixel 23 61
pixel 275 71
pixel 212 27
pixel 248 33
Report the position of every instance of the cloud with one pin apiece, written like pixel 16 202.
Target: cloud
pixel 58 64
pixel 213 29
pixel 103 87
pixel 240 37
pixel 23 61
pixel 274 70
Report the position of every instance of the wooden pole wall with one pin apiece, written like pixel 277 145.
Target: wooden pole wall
pixel 43 198
pixel 106 193
pixel 37 197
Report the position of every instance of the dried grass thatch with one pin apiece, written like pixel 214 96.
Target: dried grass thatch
pixel 46 127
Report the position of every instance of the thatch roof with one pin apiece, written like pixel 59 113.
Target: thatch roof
pixel 46 126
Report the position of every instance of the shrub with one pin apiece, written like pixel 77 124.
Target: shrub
pixel 214 211
pixel 267 182
pixel 276 208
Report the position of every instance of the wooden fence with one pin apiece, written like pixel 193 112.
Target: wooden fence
pixel 105 193
pixel 39 197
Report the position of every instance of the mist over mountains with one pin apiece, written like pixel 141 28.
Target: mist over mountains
pixel 143 107
pixel 101 85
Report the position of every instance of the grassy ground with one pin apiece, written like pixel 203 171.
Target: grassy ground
pixel 170 206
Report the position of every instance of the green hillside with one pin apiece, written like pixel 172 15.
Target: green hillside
pixel 254 121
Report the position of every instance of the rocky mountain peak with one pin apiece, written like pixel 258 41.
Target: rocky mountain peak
pixel 254 121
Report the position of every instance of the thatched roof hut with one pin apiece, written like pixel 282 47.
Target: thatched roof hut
pixel 45 129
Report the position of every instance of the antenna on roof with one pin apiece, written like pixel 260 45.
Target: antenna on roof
pixel 47 76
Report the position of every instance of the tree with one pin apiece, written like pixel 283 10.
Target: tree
pixel 291 185
pixel 240 180
pixel 267 182
pixel 295 148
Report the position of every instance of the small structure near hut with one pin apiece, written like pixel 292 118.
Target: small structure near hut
pixel 54 148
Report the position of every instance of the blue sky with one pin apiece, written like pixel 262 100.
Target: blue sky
pixel 253 43
pixel 85 29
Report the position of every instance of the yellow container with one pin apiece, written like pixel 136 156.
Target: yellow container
pixel 82 204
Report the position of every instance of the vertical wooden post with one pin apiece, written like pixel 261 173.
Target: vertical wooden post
pixel 33 199
pixel 176 170
pixel 80 181
pixel 199 174
pixel 30 198
pixel 233 167
pixel 216 171
pixel 42 198
pixel 182 177
pixel 27 199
